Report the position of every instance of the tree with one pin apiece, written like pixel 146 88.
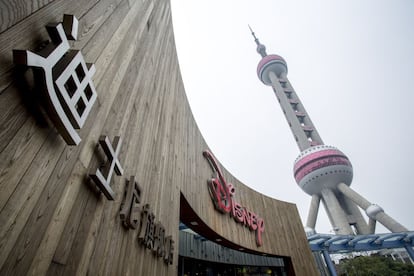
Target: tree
pixel 374 266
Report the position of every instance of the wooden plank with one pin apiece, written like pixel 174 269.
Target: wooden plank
pixel 54 231
pixel 18 156
pixel 30 32
pixel 90 241
pixel 13 115
pixel 105 249
pixel 18 162
pixel 13 11
pixel 118 51
pixel 125 103
pixel 129 244
pixel 23 251
pixel 92 21
pixel 73 225
pixel 93 47
pixel 16 211
pixel 68 254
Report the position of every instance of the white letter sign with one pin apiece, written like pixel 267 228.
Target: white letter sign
pixel 67 79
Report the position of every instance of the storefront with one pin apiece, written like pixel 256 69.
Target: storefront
pixel 200 256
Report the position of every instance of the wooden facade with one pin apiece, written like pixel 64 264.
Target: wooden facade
pixel 52 220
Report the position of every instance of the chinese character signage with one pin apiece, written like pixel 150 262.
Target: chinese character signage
pixel 151 233
pixel 66 83
pixel 102 177
pixel 222 194
pixel 130 210
pixel 65 78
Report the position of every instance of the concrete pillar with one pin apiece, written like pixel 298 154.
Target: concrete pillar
pixel 371 225
pixel 313 211
pixel 335 213
pixel 378 214
pixel 390 223
pixel 357 218
pixel 354 196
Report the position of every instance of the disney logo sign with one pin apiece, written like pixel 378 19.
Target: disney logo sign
pixel 222 194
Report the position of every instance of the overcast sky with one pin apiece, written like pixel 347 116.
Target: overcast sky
pixel 351 64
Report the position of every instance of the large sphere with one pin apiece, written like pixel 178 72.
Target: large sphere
pixel 271 63
pixel 322 167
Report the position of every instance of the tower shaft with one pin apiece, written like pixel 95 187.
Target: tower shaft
pixel 300 124
pixel 344 215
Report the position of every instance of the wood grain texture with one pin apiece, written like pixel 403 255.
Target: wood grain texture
pixel 52 221
pixel 12 11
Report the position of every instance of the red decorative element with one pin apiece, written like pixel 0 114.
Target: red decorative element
pixel 318 160
pixel 217 186
pixel 222 192
pixel 318 164
pixel 318 154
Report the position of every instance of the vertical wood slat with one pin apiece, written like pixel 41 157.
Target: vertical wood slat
pixel 23 157
pixel 30 32
pixel 39 264
pixel 19 166
pixel 12 11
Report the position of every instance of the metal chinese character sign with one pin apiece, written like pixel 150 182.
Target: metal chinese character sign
pixel 67 79
pixel 102 177
pixel 222 192
pixel 130 211
pixel 151 233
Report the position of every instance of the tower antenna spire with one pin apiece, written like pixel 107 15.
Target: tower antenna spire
pixel 255 39
pixel 261 49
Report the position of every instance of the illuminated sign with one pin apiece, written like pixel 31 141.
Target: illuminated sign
pixel 65 78
pixel 222 194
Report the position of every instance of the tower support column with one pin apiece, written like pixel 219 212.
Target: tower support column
pixel 356 217
pixel 313 211
pixel 335 212
pixel 378 214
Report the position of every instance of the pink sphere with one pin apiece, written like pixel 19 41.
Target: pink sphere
pixel 322 167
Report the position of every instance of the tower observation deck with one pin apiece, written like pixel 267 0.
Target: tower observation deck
pixel 322 171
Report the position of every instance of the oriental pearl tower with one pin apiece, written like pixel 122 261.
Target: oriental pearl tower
pixel 322 171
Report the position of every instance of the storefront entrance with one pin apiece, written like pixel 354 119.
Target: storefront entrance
pixel 194 267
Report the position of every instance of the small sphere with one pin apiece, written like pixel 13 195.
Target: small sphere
pixel 271 63
pixel 322 167
pixel 261 49
pixel 373 210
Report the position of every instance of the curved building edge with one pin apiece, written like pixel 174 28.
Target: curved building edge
pixel 55 220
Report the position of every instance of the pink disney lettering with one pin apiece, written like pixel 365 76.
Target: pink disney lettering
pixel 222 194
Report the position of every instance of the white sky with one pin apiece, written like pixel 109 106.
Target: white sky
pixel 350 62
